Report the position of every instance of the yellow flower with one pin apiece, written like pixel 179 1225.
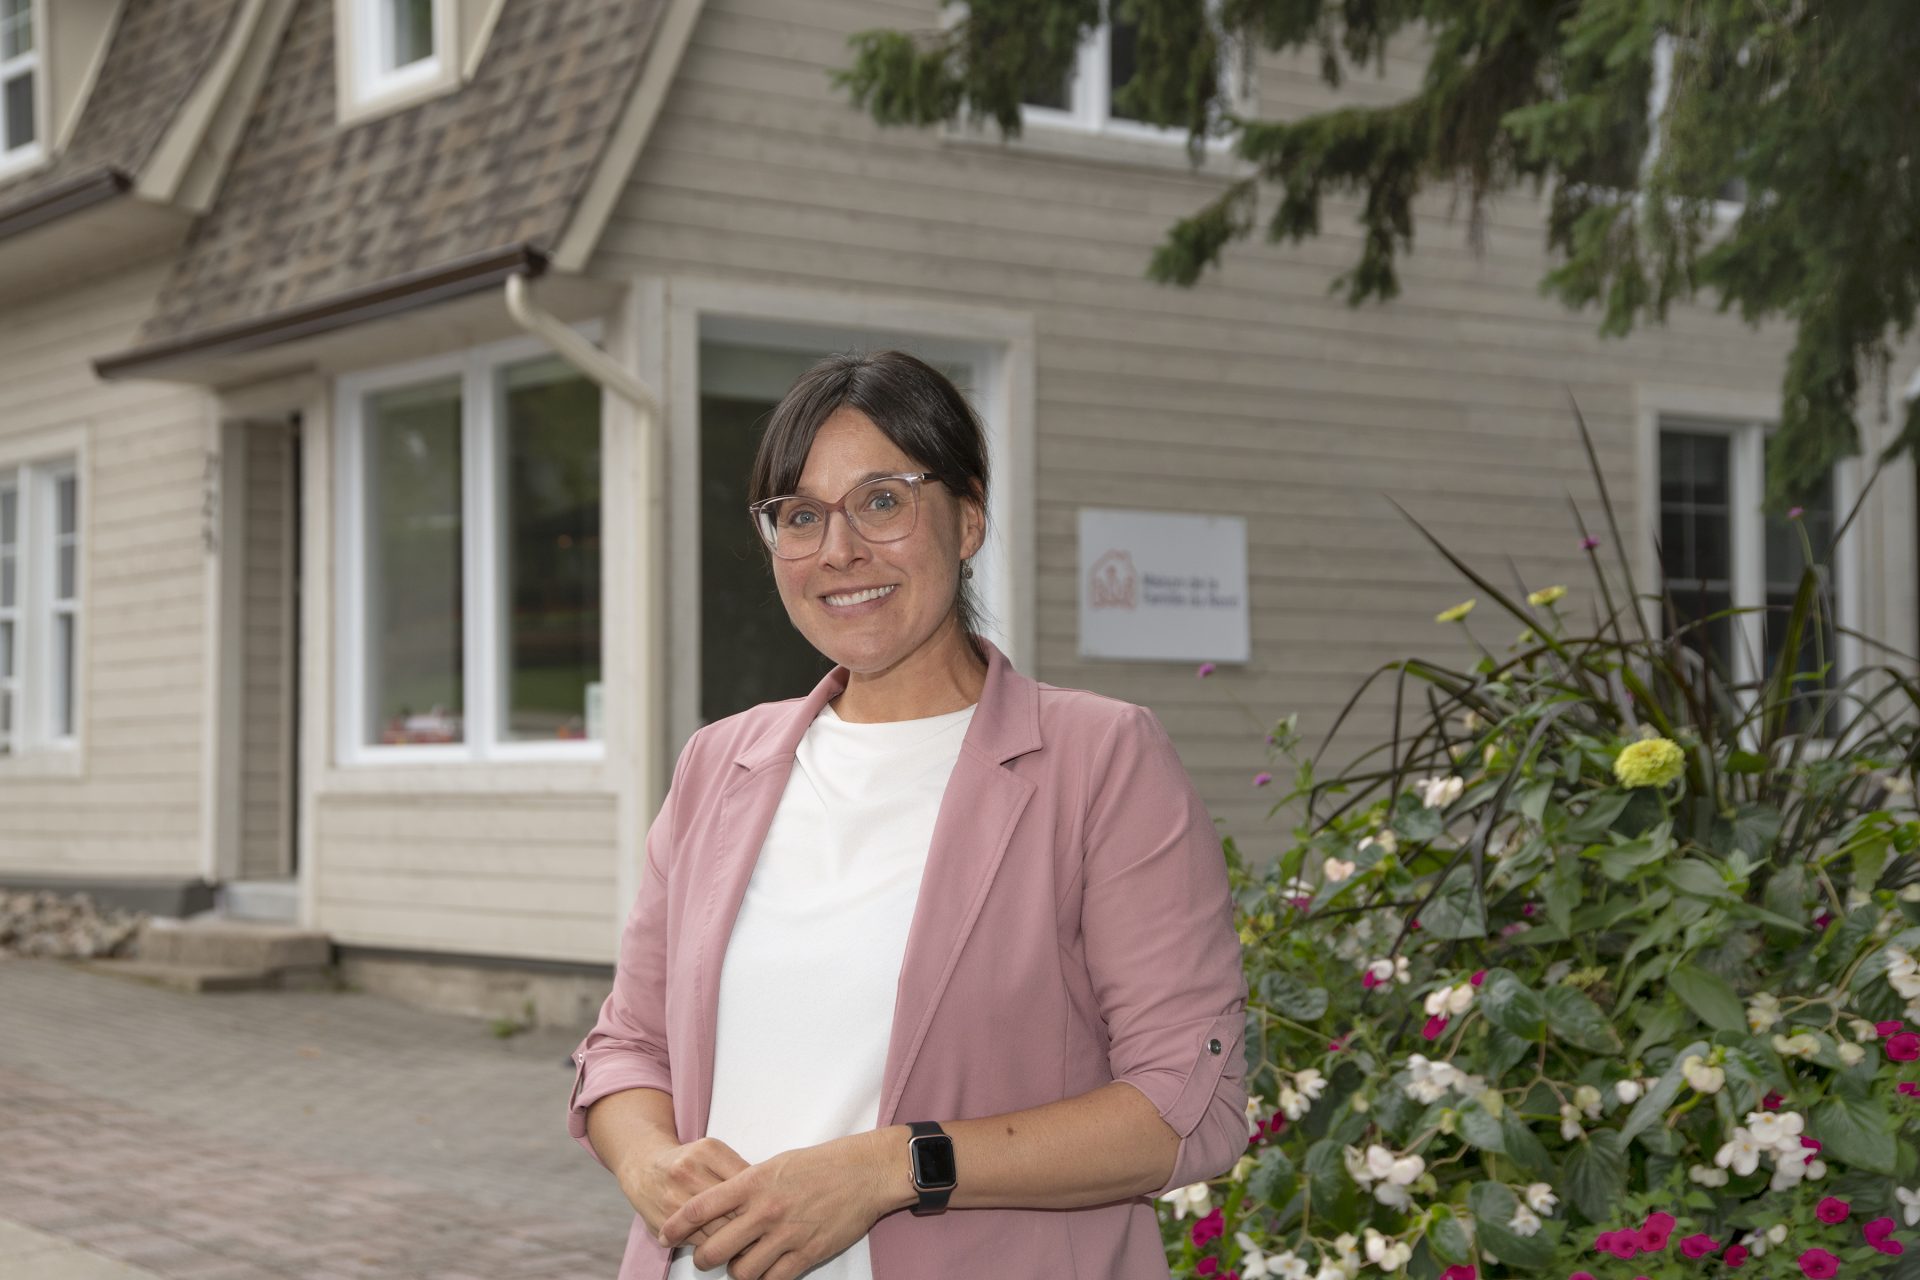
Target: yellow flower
pixel 1545 595
pixel 1653 762
pixel 1456 613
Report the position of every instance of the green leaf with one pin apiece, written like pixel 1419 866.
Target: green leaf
pixel 1273 1178
pixel 1288 995
pixel 1457 911
pixel 1701 879
pixel 1448 1239
pixel 1563 893
pixel 1745 762
pixel 1654 1103
pixel 1855 1130
pixel 1513 1006
pixel 1596 1174
pixel 1480 1128
pixel 1524 1147
pixel 1753 829
pixel 1530 798
pixel 1493 1206
pixel 1709 996
pixel 1597 818
pixel 1577 1019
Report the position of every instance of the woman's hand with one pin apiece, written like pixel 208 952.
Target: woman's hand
pixel 665 1178
pixel 782 1216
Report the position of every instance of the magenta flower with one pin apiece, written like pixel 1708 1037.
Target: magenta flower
pixel 1822 920
pixel 1818 1264
pixel 1301 903
pixel 1512 927
pixel 1262 779
pixel 1479 976
pixel 1208 1229
pixel 1904 1047
pixel 1581 1275
pixel 1891 1027
pixel 1460 1272
pixel 1811 1144
pixel 1621 1244
pixel 1368 981
pixel 1434 1027
pixel 1697 1246
pixel 1589 542
pixel 1772 1101
pixel 1527 908
pixel 1413 924
pixel 1832 1210
pixel 1337 1044
pixel 1909 1089
pixel 1206 1266
pixel 1654 1232
pixel 1204 670
pixel 1794 513
pixel 1736 1255
pixel 1879 1234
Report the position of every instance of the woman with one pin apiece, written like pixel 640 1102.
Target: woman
pixel 935 937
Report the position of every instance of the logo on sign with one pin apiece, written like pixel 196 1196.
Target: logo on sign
pixel 1111 583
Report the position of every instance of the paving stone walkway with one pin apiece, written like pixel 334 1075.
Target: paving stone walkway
pixel 326 1136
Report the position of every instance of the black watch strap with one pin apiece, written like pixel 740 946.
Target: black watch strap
pixel 930 1164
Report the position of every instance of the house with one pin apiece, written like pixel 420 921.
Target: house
pixel 378 378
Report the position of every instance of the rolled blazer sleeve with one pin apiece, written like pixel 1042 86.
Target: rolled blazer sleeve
pixel 627 1047
pixel 1157 919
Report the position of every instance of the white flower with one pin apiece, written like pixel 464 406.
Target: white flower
pixel 1254 1263
pixel 1406 1169
pixel 1777 1233
pixel 1292 1105
pixel 1394 1197
pixel 1557 971
pixel 1286 1266
pixel 1704 1078
pixel 1708 1176
pixel 1540 1197
pixel 1763 1012
pixel 1241 1169
pixel 1627 1091
pixel 1741 1153
pixel 1330 1271
pixel 1850 1054
pixel 1570 1122
pixel 1335 870
pixel 1310 1082
pixel 1587 1098
pixel 1386 840
pixel 1388 1255
pixel 1390 969
pixel 1441 790
pixel 1863 1030
pixel 1255 1106
pixel 1195 1198
pixel 1524 1222
pixel 1903 973
pixel 1799 1045
pixel 1909 1204
pixel 1347 1246
pixel 1910 893
pixel 1357 1165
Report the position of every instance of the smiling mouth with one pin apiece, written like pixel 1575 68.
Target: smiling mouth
pixel 858 597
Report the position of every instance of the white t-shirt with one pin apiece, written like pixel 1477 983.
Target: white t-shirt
pixel 812 967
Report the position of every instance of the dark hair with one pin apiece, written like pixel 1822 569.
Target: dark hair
pixel 915 406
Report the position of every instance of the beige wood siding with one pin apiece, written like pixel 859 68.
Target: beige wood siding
pixel 134 808
pixel 1256 393
pixel 505 874
pixel 266 656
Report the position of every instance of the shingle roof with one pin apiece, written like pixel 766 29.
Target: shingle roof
pixel 157 53
pixel 309 210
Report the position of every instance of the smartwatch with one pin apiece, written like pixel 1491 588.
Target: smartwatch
pixel 930 1159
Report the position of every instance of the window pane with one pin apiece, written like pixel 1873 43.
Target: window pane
pixel 415 588
pixel 63 675
pixel 65 490
pixel 551 485
pixel 63 572
pixel 6 722
pixel 17 109
pixel 1695 536
pixel 1123 62
pixel 16 28
pixel 1786 561
pixel 410 31
pixel 6 650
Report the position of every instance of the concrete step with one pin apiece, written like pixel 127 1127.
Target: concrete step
pixel 194 979
pixel 215 943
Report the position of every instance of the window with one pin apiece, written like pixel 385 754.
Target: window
pixel 39 606
pixel 1720 551
pixel 1107 62
pixel 471 544
pixel 393 52
pixel 19 77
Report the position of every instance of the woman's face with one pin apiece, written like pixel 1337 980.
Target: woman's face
pixel 920 571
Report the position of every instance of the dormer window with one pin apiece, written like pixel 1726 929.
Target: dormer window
pixel 19 83
pixel 393 53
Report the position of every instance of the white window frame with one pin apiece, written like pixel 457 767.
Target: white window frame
pixel 1746 463
pixel 1091 92
pixel 483 645
pixel 31 63
pixel 368 85
pixel 36 673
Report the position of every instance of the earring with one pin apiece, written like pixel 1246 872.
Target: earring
pixel 966 569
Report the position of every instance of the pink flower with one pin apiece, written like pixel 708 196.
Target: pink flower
pixel 1735 1256
pixel 1811 1144
pixel 1910 1090
pixel 1204 670
pixel 1697 1246
pixel 1794 513
pixel 1527 908
pixel 1460 1272
pixel 1589 542
pixel 1879 1234
pixel 1822 920
pixel 1413 924
pixel 1772 1101
pixel 1206 1266
pixel 1832 1210
pixel 1904 1047
pixel 1301 903
pixel 1276 1122
pixel 1508 930
pixel 1208 1229
pixel 1891 1027
pixel 1434 1027
pixel 1818 1264
pixel 1654 1232
pixel 1621 1244
pixel 1479 976
pixel 1368 981
pixel 1262 779
pixel 1581 1275
pixel 1336 1045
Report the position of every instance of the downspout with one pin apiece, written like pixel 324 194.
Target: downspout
pixel 642 786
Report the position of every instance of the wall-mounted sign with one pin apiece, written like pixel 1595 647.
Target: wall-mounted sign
pixel 1161 586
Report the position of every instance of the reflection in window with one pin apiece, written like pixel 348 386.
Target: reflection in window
pixel 550 481
pixel 415 586
pixel 19 62
pixel 1696 537
pixel 408 33
pixel 9 612
pixel 63 607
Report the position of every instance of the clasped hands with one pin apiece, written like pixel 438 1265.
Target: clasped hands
pixel 776 1219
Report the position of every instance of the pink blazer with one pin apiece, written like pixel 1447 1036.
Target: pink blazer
pixel 1074 927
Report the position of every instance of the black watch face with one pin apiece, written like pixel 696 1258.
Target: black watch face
pixel 933 1166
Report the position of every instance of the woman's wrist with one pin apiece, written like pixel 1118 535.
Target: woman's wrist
pixel 890 1169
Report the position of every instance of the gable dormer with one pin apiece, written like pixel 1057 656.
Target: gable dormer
pixel 49 55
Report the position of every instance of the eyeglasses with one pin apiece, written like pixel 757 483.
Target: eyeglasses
pixel 879 510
